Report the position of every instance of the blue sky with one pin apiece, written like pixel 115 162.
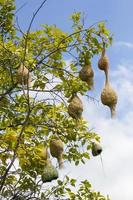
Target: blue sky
pixel 117 12
pixel 117 137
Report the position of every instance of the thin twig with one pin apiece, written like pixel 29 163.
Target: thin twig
pixel 20 8
pixel 31 22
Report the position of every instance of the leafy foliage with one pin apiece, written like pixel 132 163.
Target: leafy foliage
pixel 33 114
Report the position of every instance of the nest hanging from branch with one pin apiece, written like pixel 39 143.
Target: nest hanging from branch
pixel 108 94
pixel 86 74
pixel 56 150
pixel 109 98
pixel 50 173
pixel 23 76
pixel 75 107
pixel 103 63
pixel 96 149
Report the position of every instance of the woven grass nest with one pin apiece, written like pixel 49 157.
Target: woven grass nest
pixel 103 63
pixel 75 107
pixel 50 173
pixel 86 74
pixel 56 150
pixel 109 98
pixel 23 76
pixel 96 149
pixel 108 94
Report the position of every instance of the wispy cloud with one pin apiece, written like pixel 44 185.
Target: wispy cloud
pixel 123 44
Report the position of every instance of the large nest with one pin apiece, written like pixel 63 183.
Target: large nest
pixel 86 74
pixel 75 107
pixel 56 150
pixel 109 98
pixel 50 173
pixel 23 76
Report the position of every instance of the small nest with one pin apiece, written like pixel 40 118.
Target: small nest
pixel 75 107
pixel 23 76
pixel 86 74
pixel 56 150
pixel 96 149
pixel 50 173
pixel 109 98
pixel 103 63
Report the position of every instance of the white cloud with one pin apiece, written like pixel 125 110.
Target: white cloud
pixel 116 138
pixel 123 82
pixel 123 44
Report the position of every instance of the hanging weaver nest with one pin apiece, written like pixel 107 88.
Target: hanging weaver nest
pixel 109 98
pixel 108 95
pixel 56 150
pixel 50 173
pixel 96 149
pixel 23 76
pixel 75 107
pixel 103 63
pixel 86 74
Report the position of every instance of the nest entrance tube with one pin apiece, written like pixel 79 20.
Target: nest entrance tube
pixel 113 111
